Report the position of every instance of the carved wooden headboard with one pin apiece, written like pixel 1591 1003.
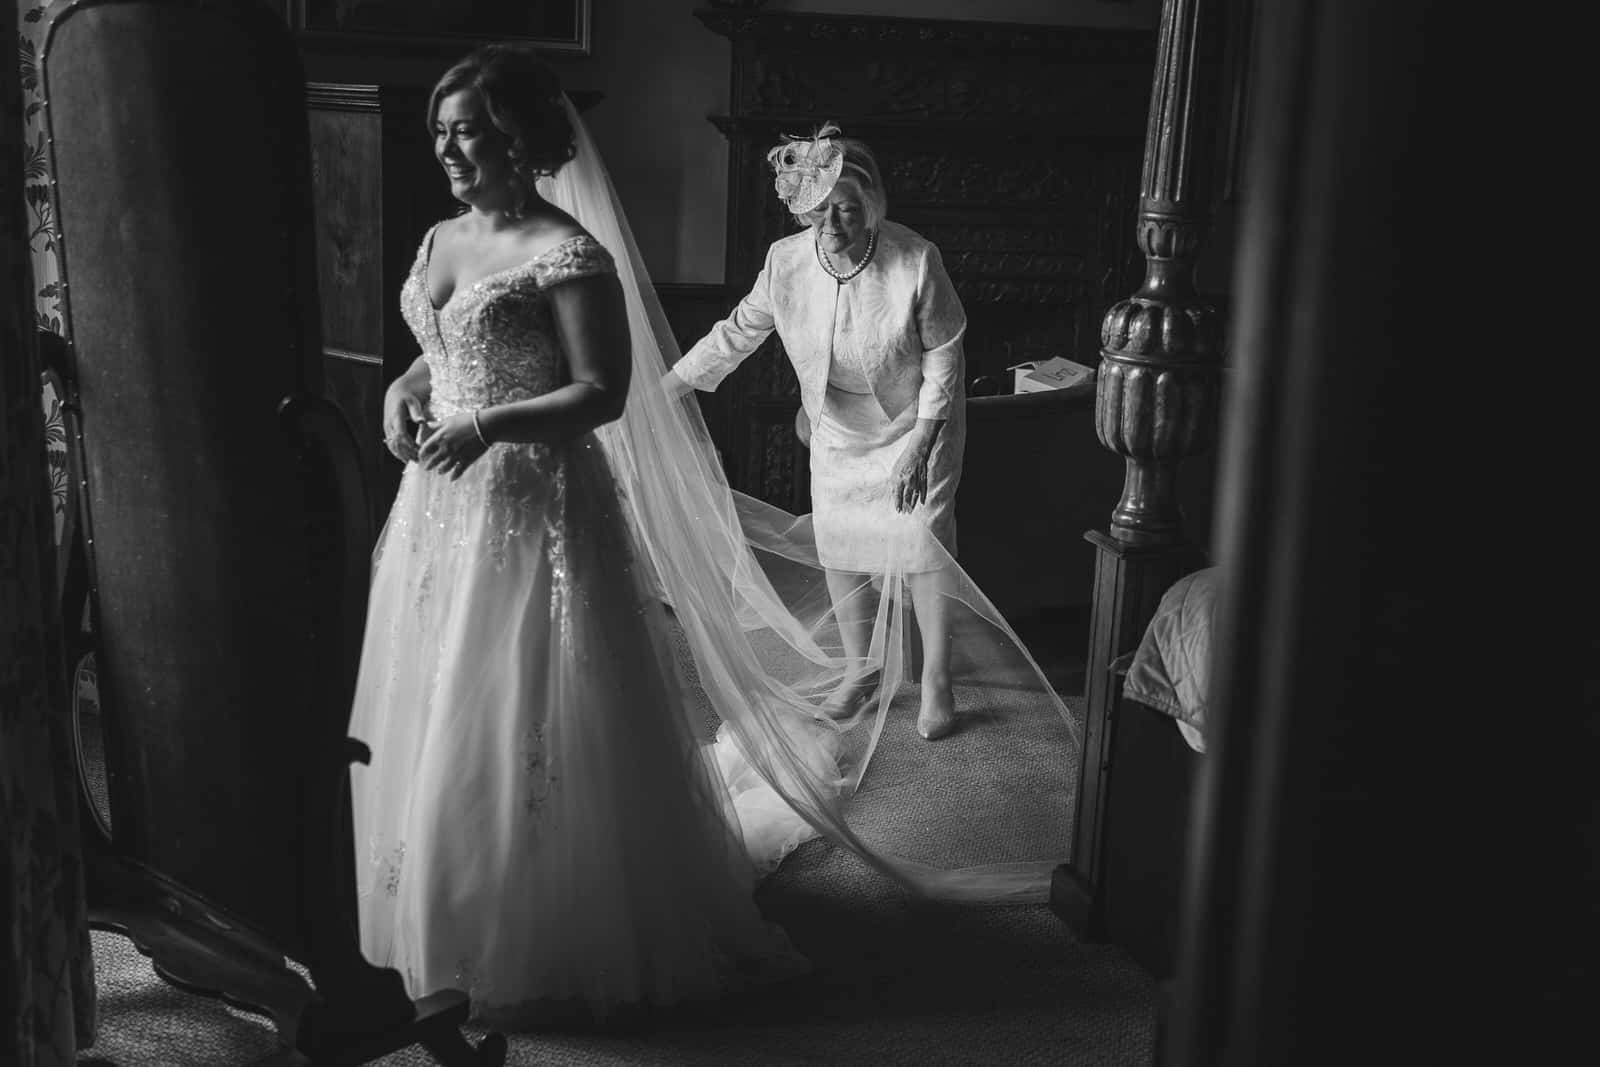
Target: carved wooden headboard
pixel 1016 149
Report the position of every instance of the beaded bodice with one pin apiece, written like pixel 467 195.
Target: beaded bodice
pixel 495 341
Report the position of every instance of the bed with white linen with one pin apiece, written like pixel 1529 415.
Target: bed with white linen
pixel 1157 746
pixel 1171 668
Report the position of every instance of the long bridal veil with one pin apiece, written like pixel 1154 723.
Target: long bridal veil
pixel 744 585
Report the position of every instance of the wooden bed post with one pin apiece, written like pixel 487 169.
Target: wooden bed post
pixel 1156 401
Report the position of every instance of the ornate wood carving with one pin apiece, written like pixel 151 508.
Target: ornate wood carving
pixel 1162 347
pixel 1155 404
pixel 1013 148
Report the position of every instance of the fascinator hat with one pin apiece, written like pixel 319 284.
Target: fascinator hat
pixel 806 168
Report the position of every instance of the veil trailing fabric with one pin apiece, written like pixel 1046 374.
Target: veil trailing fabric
pixel 744 585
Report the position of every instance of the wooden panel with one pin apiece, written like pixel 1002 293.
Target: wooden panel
pixel 691 310
pixel 347 187
pixel 376 190
pixel 1148 800
pixel 1033 471
pixel 1129 583
pixel 355 384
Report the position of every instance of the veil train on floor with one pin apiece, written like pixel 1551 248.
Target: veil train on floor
pixel 744 584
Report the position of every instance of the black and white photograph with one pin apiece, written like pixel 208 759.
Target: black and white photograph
pixel 787 532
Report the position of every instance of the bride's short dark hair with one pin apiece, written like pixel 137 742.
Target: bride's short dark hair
pixel 523 97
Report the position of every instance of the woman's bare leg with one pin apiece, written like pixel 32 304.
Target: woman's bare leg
pixel 853 609
pixel 937 716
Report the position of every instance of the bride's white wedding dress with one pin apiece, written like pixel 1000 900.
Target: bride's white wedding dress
pixel 540 825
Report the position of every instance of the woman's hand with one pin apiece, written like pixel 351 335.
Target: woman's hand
pixel 405 405
pixel 909 483
pixel 450 446
pixel 674 386
pixel 802 427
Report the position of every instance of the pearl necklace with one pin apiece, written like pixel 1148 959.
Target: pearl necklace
pixel 872 246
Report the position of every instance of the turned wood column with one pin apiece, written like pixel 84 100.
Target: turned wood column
pixel 1161 348
pixel 1156 400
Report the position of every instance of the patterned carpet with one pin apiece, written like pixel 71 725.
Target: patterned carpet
pixel 894 982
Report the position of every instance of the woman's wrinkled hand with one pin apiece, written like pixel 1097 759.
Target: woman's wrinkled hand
pixel 909 483
pixel 450 446
pixel 404 407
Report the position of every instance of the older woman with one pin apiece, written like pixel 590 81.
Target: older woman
pixel 874 330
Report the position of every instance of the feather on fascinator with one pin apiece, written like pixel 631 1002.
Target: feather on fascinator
pixel 806 168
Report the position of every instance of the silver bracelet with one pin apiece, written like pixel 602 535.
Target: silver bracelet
pixel 478 429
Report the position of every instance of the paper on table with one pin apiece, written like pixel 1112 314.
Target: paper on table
pixel 1056 373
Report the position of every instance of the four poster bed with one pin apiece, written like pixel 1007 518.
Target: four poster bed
pixel 1156 406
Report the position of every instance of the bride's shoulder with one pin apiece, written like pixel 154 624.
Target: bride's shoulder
pixel 564 252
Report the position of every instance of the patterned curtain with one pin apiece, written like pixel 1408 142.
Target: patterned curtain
pixel 41 223
pixel 41 237
pixel 46 971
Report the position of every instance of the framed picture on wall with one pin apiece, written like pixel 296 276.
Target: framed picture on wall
pixel 550 25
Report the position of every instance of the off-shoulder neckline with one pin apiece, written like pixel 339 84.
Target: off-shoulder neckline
pixel 427 259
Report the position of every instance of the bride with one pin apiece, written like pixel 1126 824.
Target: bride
pixel 539 825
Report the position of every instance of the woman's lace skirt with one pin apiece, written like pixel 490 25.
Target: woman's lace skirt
pixel 854 449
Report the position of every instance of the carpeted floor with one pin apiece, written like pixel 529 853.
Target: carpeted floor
pixel 894 982
pixel 892 985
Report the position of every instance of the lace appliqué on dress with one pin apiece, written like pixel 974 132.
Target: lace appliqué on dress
pixel 386 864
pixel 495 342
pixel 541 782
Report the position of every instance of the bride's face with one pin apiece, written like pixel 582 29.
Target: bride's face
pixel 472 150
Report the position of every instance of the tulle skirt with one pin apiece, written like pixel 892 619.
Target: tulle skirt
pixel 541 824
